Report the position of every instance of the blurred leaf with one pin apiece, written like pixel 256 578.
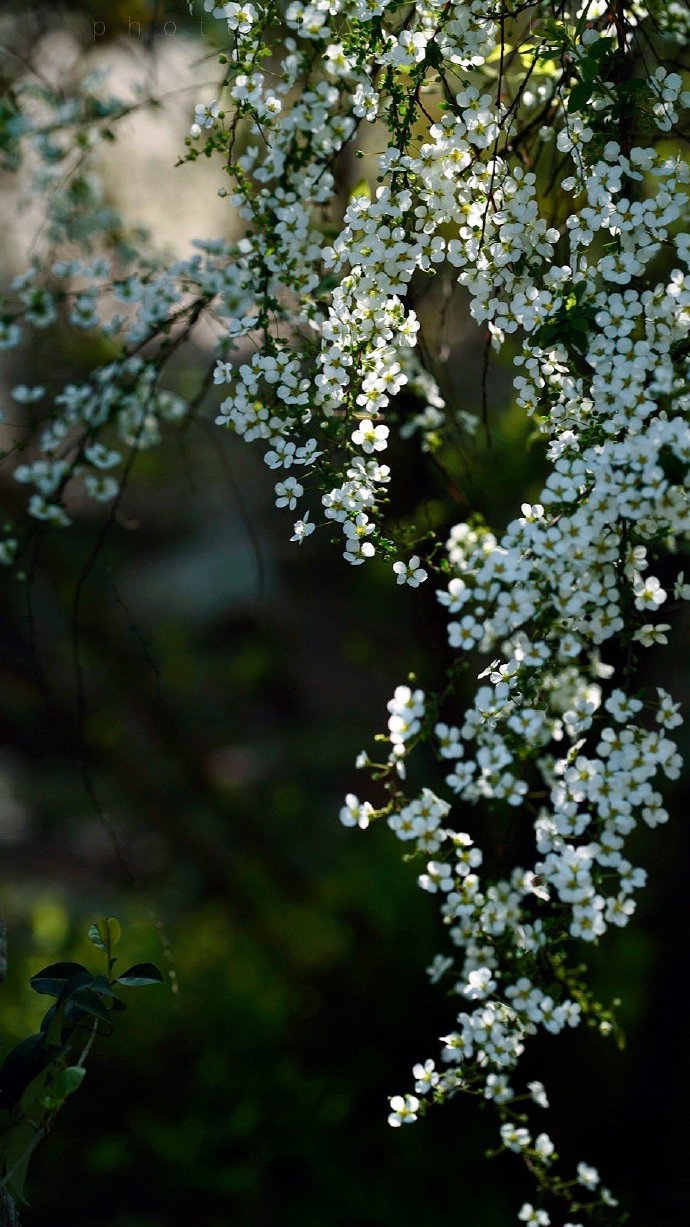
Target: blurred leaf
pixel 34 1091
pixel 141 974
pixel 21 1144
pixel 66 1083
pixel 361 188
pixel 20 1067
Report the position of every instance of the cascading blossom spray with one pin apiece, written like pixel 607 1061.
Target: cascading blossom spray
pixel 482 113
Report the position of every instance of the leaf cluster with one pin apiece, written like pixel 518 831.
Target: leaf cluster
pixel 42 1071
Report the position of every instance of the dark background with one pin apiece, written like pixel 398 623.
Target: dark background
pixel 231 678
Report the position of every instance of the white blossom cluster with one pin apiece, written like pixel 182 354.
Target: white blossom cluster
pixel 465 101
pixel 123 401
pixel 567 579
pixel 76 442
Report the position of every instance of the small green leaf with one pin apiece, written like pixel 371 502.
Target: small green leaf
pixel 580 95
pixel 71 1078
pixel 105 933
pixel 95 937
pixel 66 1083
pixel 602 47
pixel 140 974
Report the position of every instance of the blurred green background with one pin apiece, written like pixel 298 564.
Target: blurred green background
pixel 231 678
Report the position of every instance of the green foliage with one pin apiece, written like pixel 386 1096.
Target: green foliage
pixel 41 1072
pixel 589 69
pixel 571 323
pixel 105 934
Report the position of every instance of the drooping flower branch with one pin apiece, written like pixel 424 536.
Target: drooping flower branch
pixel 540 151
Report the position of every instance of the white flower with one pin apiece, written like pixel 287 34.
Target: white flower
pixel 480 984
pixel 240 17
pixel 538 1093
pixel 528 1214
pixel 681 590
pixel 303 528
pixel 544 1147
pixel 205 116
pixel 369 437
pixel 588 1176
pixel 449 743
pixel 649 594
pixel 287 493
pixel 426 1077
pixel 404 1110
pixel 438 876
pixel 410 573
pixel 649 634
pixel 515 1137
pixel 438 968
pixel 27 396
pixel 356 812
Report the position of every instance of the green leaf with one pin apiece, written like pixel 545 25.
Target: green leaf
pixel 71 1079
pixel 580 95
pixel 94 936
pixel 34 1091
pixel 105 933
pixel 548 333
pixel 602 47
pixel 66 1083
pixel 21 1144
pixel 100 985
pixel 53 1023
pixel 140 974
pixel 556 30
pixel 52 980
pixel 434 55
pixel 90 1003
pixel 589 68
pixel 626 89
pixel 20 1067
